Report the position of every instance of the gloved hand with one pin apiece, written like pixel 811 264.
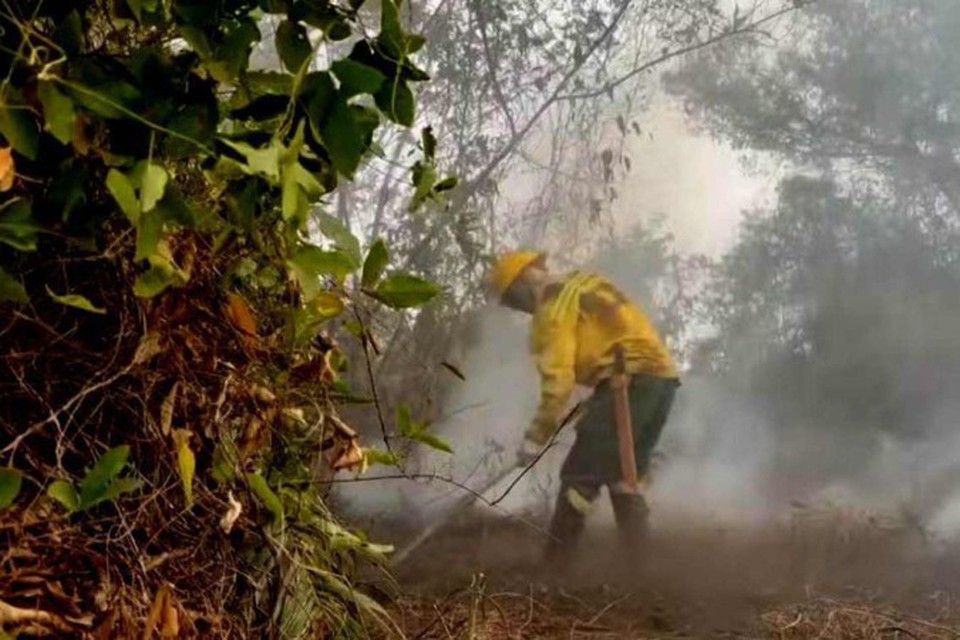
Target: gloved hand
pixel 527 453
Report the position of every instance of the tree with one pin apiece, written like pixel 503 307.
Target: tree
pixel 856 87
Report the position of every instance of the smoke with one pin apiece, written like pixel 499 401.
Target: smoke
pixel 722 459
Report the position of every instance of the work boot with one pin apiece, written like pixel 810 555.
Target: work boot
pixel 565 531
pixel 632 515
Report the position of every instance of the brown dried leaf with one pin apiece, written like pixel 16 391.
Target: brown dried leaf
pixel 7 169
pixel 149 347
pixel 163 613
pixel 262 394
pixel 254 438
pixel 232 515
pixel 171 620
pixel 166 409
pixel 239 314
pixel 351 458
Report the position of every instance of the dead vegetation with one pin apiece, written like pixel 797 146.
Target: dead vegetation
pixel 189 550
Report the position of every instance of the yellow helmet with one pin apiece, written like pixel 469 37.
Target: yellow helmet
pixel 509 267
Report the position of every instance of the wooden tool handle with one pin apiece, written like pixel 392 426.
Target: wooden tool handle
pixel 621 408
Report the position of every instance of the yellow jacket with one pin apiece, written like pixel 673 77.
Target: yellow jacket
pixel 572 338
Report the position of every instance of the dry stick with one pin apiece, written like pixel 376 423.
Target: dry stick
pixel 370 377
pixel 563 423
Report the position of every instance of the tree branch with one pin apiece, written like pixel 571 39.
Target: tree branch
pixel 608 87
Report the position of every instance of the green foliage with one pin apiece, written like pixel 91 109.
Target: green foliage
pixel 402 291
pixel 259 487
pixel 11 289
pixel 76 301
pixel 282 141
pixel 10 482
pixel 418 431
pixel 102 483
pixel 374 264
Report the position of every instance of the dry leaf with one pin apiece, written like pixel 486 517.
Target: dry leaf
pixel 262 393
pixel 149 346
pixel 171 620
pixel 351 458
pixel 7 170
pixel 163 613
pixel 239 314
pixel 232 515
pixel 167 407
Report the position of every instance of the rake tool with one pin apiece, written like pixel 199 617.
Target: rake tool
pixel 463 503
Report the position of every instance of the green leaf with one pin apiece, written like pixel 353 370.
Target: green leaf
pixel 326 305
pixel 396 101
pixel 231 55
pixel 429 142
pixel 69 33
pixel 402 291
pixel 260 488
pixel 153 183
pixel 65 493
pixel 391 36
pixel 223 469
pixel 186 463
pixel 11 289
pixel 17 227
pixel 264 161
pixel 356 78
pixel 270 82
pixel 415 42
pixel 417 431
pixel 153 281
pixel 93 487
pixel 77 301
pixel 342 137
pixel 432 441
pixel 117 488
pixel 342 238
pixel 404 422
pixel 309 264
pixel 298 186
pixel 10 483
pixel 374 264
pixel 120 187
pixel 446 184
pixel 424 178
pixel 20 129
pixel 136 8
pixel 58 113
pixel 149 233
pixel 293 45
pixel 385 458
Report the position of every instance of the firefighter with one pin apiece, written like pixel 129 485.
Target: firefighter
pixel 579 322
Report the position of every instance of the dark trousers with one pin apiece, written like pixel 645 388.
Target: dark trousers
pixel 594 462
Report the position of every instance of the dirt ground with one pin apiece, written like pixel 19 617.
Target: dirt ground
pixel 820 574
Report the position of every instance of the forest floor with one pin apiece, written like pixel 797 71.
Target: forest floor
pixel 821 575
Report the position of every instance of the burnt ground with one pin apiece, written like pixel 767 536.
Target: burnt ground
pixel 820 574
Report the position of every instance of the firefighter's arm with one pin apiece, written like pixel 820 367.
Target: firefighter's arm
pixel 555 357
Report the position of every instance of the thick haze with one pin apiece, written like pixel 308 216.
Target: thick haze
pixel 844 397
